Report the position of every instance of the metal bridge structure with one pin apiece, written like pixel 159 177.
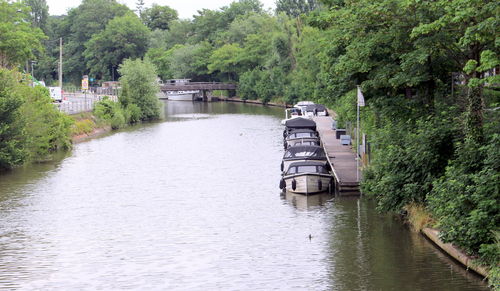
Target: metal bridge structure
pixel 203 87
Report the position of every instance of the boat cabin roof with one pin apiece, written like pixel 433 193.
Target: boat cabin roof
pixel 300 122
pixel 305 151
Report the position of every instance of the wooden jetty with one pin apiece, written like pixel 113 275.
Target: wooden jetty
pixel 341 158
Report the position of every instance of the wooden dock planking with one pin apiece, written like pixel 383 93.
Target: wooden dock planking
pixel 341 157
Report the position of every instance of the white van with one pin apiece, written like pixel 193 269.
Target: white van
pixel 56 93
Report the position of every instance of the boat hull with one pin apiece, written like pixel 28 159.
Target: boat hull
pixel 181 97
pixel 308 183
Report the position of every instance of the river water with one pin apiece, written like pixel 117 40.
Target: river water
pixel 192 203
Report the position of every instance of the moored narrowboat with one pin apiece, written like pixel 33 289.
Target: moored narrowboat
pixel 307 177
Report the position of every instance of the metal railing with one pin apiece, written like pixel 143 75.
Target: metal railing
pixel 79 106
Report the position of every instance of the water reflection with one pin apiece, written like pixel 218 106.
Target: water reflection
pixel 303 202
pixel 381 254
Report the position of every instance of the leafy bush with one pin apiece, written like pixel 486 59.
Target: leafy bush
pixel 133 113
pixel 31 127
pixel 111 112
pixel 139 87
pixel 410 156
pixel 48 129
pixel 465 200
pixel 118 119
pixel 12 139
pixel 83 126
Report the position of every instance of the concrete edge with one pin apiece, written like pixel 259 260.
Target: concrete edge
pixel 454 252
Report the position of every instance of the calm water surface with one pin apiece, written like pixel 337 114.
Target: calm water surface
pixel 192 203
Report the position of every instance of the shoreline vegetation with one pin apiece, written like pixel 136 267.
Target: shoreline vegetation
pixel 429 72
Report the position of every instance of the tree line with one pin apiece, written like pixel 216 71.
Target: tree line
pixel 428 69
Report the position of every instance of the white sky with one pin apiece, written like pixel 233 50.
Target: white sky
pixel 186 8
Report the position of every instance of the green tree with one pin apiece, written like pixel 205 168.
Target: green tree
pixel 158 17
pixel 225 60
pixel 78 27
pixel 18 39
pixel 296 7
pixel 209 25
pixel 468 32
pixel 47 129
pixel 12 138
pixel 139 87
pixel 139 5
pixel 124 37
pixel 161 59
pixel 39 13
pixel 190 61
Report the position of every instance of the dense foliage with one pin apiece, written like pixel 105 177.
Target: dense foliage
pixel 139 89
pixel 31 127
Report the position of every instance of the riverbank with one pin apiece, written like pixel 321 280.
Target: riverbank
pixel 95 133
pixel 421 221
pixel 454 252
pixel 87 127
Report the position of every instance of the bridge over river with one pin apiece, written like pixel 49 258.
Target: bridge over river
pixel 203 87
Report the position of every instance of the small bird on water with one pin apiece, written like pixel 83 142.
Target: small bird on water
pixel 310 236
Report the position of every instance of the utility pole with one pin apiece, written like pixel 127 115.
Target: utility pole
pixel 60 63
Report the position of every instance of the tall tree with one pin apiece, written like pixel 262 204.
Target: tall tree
pixel 12 140
pixel 158 17
pixel 140 87
pixel 39 13
pixel 90 18
pixel 139 5
pixel 296 7
pixel 468 32
pixel 124 37
pixel 18 39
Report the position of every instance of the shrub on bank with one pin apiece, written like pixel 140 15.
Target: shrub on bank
pixel 465 200
pixel 31 127
pixel 139 89
pixel 110 112
pixel 84 126
pixel 47 128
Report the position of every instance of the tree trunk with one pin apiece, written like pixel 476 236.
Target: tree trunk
pixel 474 115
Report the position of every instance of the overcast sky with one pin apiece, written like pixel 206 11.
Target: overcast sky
pixel 186 8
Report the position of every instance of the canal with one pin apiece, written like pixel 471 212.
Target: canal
pixel 192 203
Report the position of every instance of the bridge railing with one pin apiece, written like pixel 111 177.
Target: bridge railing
pixel 199 86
